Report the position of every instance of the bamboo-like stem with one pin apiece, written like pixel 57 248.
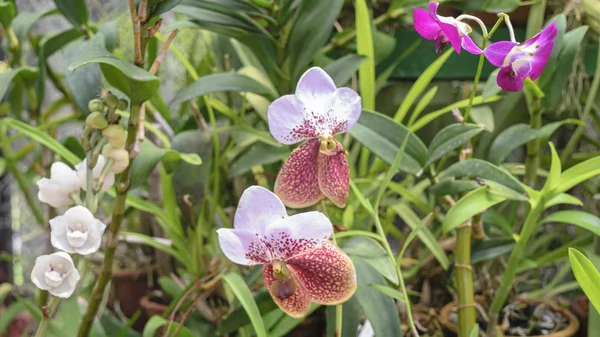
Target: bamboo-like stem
pixel 532 161
pixel 122 188
pixel 47 312
pixel 589 103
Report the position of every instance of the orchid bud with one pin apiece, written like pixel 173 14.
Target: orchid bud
pixel 123 105
pixel 120 159
pixel 115 135
pixel 96 105
pixel 111 101
pixel 96 120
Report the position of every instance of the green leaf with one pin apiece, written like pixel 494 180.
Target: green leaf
pixel 475 330
pixel 288 323
pixel 374 254
pixel 471 204
pixel 84 85
pixel 423 121
pixel 563 198
pixel 150 155
pixel 420 85
pixel 44 139
pixel 156 322
pixel 503 191
pixel 222 82
pixel 449 138
pixel 578 173
pixel 310 30
pixel 380 309
pixel 554 174
pixel 243 294
pixel 364 46
pixel 6 78
pixel 508 140
pixel 342 69
pixel 163 6
pixel 138 84
pixel 423 103
pixel 383 136
pixel 560 21
pixel 484 250
pixel 582 219
pixel 7 14
pixel 480 169
pixel 491 86
pixel 452 187
pixel 74 10
pixel 238 317
pixel 258 154
pixel 152 242
pixel 23 23
pixel 483 115
pixel 391 292
pixel 424 234
pixel 562 69
pixel 587 275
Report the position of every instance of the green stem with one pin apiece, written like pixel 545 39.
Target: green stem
pixel 589 103
pixel 515 258
pixel 45 323
pixel 464 280
pixel 338 320
pixel 533 147
pixel 122 188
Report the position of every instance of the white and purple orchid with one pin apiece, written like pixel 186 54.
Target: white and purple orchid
pixel 77 231
pixel 519 61
pixel 300 264
pixel 55 273
pixel 444 30
pixel 317 112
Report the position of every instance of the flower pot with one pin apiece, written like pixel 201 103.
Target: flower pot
pixel 151 307
pixel 569 331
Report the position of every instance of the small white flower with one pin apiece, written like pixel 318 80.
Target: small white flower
pixel 57 190
pixel 55 273
pixel 81 168
pixel 77 231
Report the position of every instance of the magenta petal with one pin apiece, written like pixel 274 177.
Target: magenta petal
pixel 539 60
pixel 315 83
pixel 327 273
pixel 470 46
pixel 546 35
pixel 297 185
pixel 452 34
pixel 424 24
pixel 433 6
pixel 334 175
pixel 297 304
pixel 287 122
pixel 508 80
pixel 496 52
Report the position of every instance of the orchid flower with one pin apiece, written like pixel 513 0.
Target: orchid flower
pixel 56 191
pixel 55 273
pixel 521 60
pixel 300 264
pixel 77 231
pixel 444 30
pixel 81 168
pixel 317 168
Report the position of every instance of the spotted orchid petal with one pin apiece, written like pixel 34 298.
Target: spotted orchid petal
pixel 317 109
pixel 297 184
pixel 327 274
pixel 333 175
pixel 243 246
pixel 297 234
pixel 295 305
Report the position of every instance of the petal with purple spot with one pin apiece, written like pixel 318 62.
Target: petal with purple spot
pixel 287 121
pixel 508 80
pixel 424 24
pixel 539 60
pixel 344 111
pixel 297 185
pixel 243 247
pixel 327 273
pixel 297 234
pixel 296 305
pixel 497 52
pixel 258 207
pixel 334 175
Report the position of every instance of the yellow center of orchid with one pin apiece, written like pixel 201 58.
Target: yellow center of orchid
pixel 280 270
pixel 327 144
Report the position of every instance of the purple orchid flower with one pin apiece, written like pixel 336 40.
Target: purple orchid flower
pixel 300 264
pixel 317 168
pixel 444 30
pixel 521 60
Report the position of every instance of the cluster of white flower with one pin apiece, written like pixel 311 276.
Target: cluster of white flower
pixel 76 231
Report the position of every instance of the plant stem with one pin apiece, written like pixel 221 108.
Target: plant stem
pixel 47 315
pixel 516 256
pixel 122 187
pixel 464 280
pixel 533 147
pixel 589 103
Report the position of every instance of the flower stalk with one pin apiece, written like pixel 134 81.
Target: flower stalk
pixel 47 313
